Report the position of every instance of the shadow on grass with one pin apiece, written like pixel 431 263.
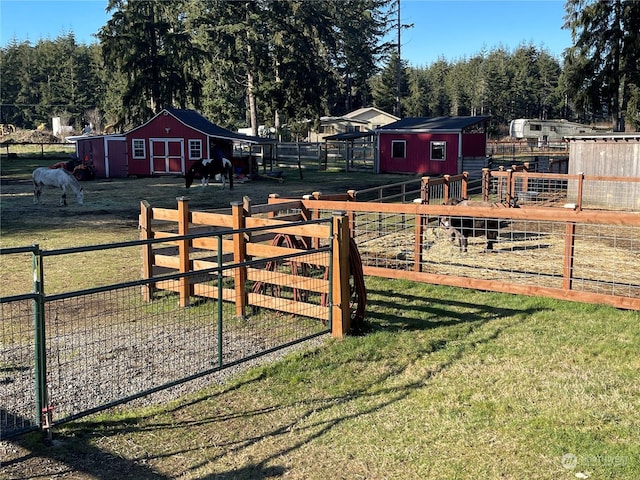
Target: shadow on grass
pixel 69 454
pixel 312 417
pixel 390 310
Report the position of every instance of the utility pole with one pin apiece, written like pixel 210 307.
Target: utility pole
pixel 398 68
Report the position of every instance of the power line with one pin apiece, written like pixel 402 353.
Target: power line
pixel 75 105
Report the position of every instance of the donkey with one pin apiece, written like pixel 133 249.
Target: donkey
pixel 459 229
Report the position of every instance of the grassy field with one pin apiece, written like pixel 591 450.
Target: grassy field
pixel 444 384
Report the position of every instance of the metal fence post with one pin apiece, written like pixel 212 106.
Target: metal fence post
pixel 580 190
pixel 144 224
pixel 569 248
pixel 43 412
pixel 220 302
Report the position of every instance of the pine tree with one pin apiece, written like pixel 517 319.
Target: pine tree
pixel 385 86
pixel 602 66
pixel 147 41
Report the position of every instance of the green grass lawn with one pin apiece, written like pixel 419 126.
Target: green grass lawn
pixel 445 384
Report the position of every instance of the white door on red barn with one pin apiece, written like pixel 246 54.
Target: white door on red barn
pixel 167 155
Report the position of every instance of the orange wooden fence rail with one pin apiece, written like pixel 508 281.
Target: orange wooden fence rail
pixel 244 246
pixel 424 215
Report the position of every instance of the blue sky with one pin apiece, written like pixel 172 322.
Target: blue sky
pixel 449 29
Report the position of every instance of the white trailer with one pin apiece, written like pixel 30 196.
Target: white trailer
pixel 545 132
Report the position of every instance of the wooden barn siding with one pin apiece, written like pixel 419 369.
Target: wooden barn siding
pixel 157 129
pixel 418 151
pixel 605 158
pixel 118 158
pixel 94 148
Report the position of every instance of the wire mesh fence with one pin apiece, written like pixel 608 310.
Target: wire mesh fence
pixel 108 345
pixel 598 193
pixel 549 189
pixel 18 411
pixel 562 253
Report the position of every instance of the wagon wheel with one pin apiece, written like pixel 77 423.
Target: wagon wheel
pixel 297 268
pixel 357 289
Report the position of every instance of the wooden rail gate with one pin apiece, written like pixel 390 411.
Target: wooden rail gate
pixel 284 262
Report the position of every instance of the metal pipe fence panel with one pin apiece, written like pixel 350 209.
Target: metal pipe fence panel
pixel 107 345
pixel 18 412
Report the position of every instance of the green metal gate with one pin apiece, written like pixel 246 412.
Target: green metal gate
pixel 70 354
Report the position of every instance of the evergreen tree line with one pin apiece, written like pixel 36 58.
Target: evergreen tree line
pixel 275 63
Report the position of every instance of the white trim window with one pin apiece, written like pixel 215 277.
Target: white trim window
pixel 438 151
pixel 195 149
pixel 138 148
pixel 398 149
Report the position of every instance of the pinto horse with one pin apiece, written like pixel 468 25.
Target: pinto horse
pixel 207 168
pixel 57 177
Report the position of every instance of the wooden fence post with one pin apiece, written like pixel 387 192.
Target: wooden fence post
pixel 351 197
pixel 424 190
pixel 239 256
pixel 308 214
pixel 340 308
pixel 486 184
pixel 146 233
pixel 183 248
pixel 445 188
pixel 272 195
pixel 465 185
pixel 510 187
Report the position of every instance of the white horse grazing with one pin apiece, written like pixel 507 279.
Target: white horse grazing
pixel 55 177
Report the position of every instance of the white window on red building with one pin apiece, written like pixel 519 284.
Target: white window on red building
pixel 195 149
pixel 138 148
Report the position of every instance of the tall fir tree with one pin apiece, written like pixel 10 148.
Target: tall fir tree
pixel 388 86
pixel 147 41
pixel 602 65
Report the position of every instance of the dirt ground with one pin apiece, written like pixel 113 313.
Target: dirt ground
pixel 115 203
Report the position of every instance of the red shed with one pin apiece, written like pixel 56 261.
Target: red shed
pixel 167 144
pixel 433 146
pixel 172 140
pixel 107 153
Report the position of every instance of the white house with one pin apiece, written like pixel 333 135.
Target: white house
pixel 362 120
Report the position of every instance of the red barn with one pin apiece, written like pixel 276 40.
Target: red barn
pixel 172 140
pixel 167 144
pixel 433 146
